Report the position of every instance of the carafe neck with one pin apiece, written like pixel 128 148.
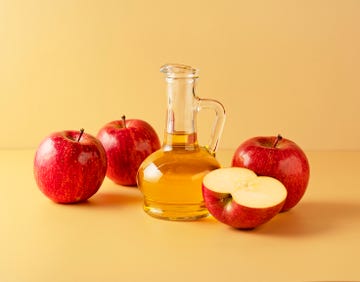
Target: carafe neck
pixel 180 106
pixel 180 130
pixel 180 118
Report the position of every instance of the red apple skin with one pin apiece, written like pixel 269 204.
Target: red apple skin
pixel 67 170
pixel 222 207
pixel 286 162
pixel 127 147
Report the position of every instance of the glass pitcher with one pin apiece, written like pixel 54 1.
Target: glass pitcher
pixel 170 179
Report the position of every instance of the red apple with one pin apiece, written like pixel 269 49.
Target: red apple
pixel 127 143
pixel 70 166
pixel 239 198
pixel 279 158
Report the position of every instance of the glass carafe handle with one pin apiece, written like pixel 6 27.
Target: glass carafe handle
pixel 218 124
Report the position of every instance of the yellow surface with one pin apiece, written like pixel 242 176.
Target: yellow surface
pixel 109 238
pixel 284 66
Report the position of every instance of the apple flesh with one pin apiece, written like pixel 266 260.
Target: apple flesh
pixel 276 157
pixel 127 143
pixel 241 199
pixel 70 166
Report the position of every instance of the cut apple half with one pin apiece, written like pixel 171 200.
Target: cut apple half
pixel 239 198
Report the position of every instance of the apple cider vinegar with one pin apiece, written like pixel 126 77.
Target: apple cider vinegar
pixel 170 179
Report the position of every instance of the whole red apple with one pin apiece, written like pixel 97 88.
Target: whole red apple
pixel 241 199
pixel 70 166
pixel 127 143
pixel 279 158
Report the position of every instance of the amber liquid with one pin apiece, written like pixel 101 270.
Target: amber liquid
pixel 171 179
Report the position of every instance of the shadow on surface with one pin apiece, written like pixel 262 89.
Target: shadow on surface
pixel 310 218
pixel 113 198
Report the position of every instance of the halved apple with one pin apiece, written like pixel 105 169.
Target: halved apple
pixel 239 198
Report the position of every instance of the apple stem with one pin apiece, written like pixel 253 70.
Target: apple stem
pixel 81 134
pixel 124 120
pixel 277 140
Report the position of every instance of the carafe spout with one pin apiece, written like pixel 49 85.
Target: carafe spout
pixel 179 71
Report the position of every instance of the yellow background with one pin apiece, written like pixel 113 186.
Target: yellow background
pixel 289 67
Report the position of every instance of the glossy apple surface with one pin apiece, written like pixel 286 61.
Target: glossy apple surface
pixel 70 166
pixel 239 198
pixel 276 157
pixel 127 143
